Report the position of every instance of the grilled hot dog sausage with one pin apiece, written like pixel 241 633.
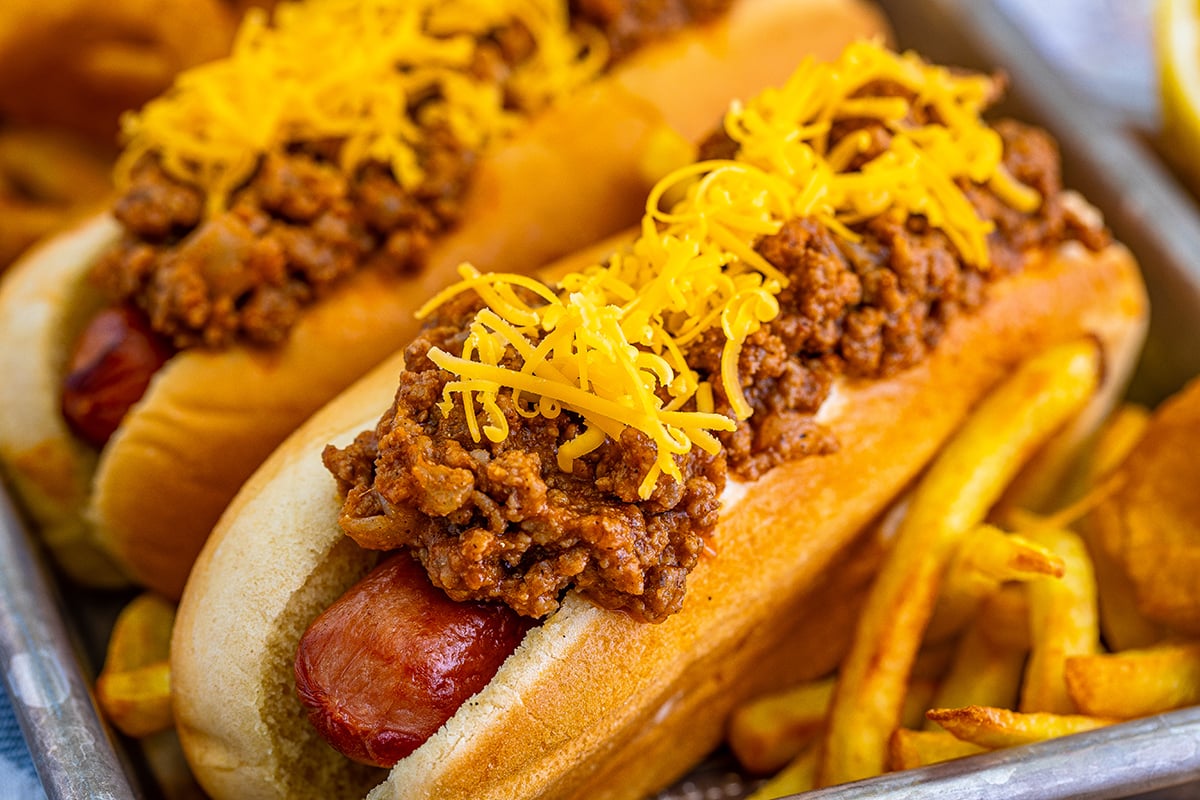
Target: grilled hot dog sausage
pixel 394 658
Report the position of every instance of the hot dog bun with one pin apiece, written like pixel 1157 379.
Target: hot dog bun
pixel 604 702
pixel 574 174
pixel 593 703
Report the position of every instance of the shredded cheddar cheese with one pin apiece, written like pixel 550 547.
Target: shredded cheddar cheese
pixel 373 73
pixel 609 344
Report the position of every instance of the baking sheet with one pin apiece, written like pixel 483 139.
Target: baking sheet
pixel 49 657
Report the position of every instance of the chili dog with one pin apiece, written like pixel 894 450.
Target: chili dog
pixel 653 458
pixel 279 222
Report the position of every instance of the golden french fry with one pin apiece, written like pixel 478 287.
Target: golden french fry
pixel 1004 618
pixel 824 622
pixel 138 702
pixel 1092 479
pixel 141 634
pixel 932 661
pixel 986 558
pixel 768 732
pixel 982 674
pixel 953 497
pixel 917 701
pixel 912 748
pixel 1121 431
pixel 1135 683
pixel 1062 620
pixel 134 687
pixel 1089 466
pixel 994 728
pixel 798 776
pixel 1122 625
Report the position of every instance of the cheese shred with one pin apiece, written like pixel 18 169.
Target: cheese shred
pixel 609 344
pixel 373 74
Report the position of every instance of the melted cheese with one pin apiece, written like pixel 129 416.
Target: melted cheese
pixel 610 343
pixel 372 73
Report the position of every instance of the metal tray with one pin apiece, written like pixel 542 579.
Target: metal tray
pixel 52 634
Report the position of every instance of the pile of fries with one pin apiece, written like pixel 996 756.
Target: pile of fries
pixel 989 626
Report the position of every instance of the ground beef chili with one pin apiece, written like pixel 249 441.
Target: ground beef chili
pixel 301 224
pixel 289 236
pixel 500 521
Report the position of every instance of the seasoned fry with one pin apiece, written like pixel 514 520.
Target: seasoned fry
pixel 134 688
pixel 954 496
pixel 767 733
pixel 1062 620
pixel 910 748
pixel 994 728
pixel 1135 683
pixel 986 558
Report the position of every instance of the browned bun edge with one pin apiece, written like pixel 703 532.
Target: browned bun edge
pixel 592 704
pixel 577 173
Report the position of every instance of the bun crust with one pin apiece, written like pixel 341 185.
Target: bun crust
pixel 577 173
pixel 593 704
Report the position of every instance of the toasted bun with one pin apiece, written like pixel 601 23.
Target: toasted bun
pixel 593 704
pixel 575 174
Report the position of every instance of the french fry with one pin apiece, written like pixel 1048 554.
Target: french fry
pixel 953 497
pixel 1122 625
pixel 910 748
pixel 1118 435
pixel 982 673
pixel 995 728
pixel 138 701
pixel 134 687
pixel 932 661
pixel 1062 620
pixel 986 558
pixel 1089 466
pixel 1004 618
pixel 798 776
pixel 917 701
pixel 1135 683
pixel 767 733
